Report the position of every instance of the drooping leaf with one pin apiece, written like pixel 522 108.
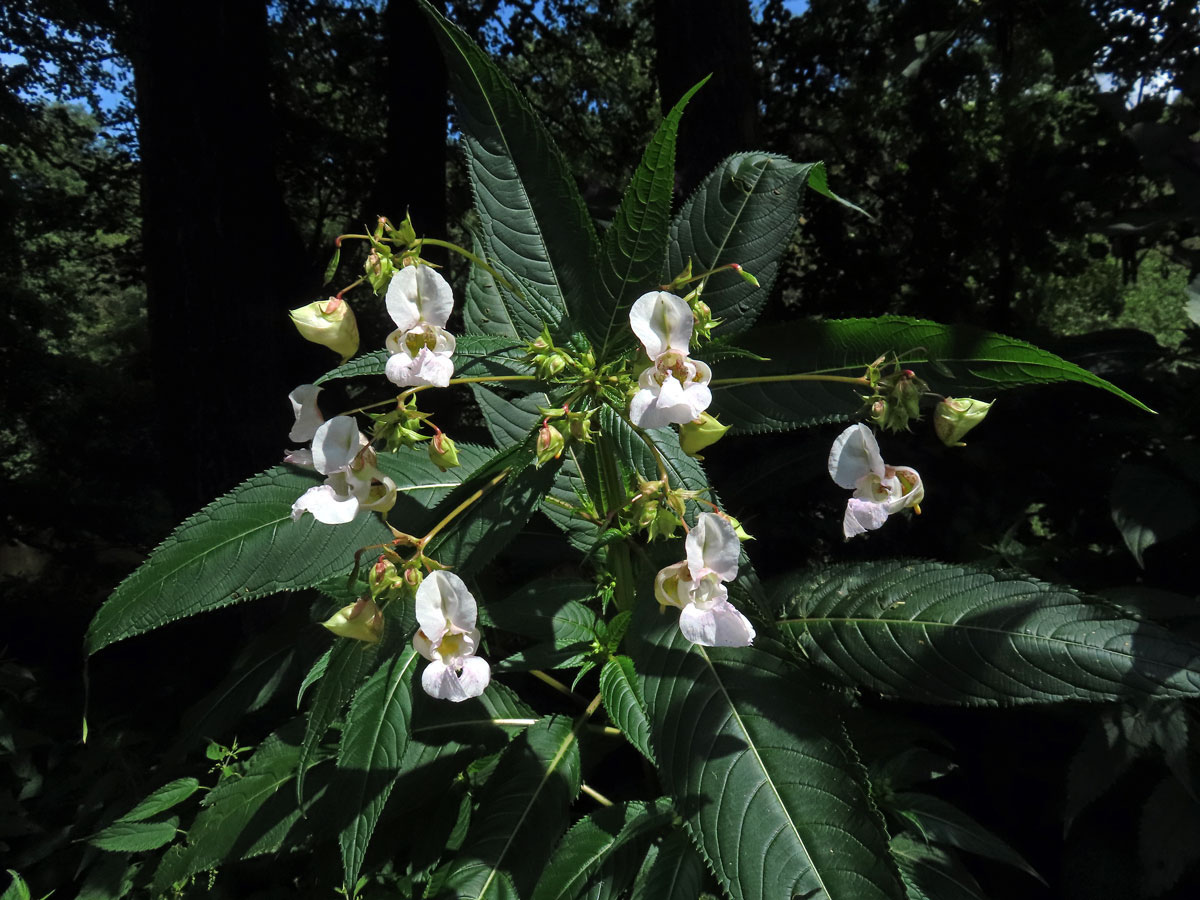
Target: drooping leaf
pixel 938 633
pixel 475 356
pixel 245 545
pixel 592 840
pixel 943 823
pixel 623 700
pixel 315 674
pixel 633 249
pixel 673 869
pixel 930 873
pixel 759 767
pixel 522 812
pixel 373 745
pixel 744 212
pixel 533 219
pixel 162 799
pixel 1149 506
pixel 133 837
pixel 954 359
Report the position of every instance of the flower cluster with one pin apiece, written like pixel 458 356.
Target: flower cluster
pixel 419 300
pixel 674 389
pixel 696 586
pixel 880 490
pixel 341 453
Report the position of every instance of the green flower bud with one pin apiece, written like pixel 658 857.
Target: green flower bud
pixel 383 578
pixel 442 451
pixel 550 444
pixel 664 523
pixel 404 233
pixel 330 323
pixel 380 269
pixel 703 432
pixel 955 417
pixel 360 621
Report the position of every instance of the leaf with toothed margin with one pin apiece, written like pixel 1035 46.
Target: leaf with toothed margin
pixel 760 768
pixel 475 356
pixel 937 633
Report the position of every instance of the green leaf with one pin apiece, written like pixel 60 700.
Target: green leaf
pixel 819 183
pixel 759 766
pixel 162 799
pixel 486 308
pixel 245 545
pixel 672 869
pixel 937 633
pixel 633 250
pixel 623 700
pixel 332 267
pixel 592 840
pixel 744 212
pixel 943 823
pixel 533 219
pixel 1149 506
pixel 349 662
pixel 475 356
pixel 550 612
pixel 931 873
pixel 315 674
pixel 1169 836
pixel 371 751
pixel 522 811
pixel 133 837
pixel 980 362
pixel 17 889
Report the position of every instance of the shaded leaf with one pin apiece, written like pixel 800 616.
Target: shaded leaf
pixel 1149 507
pixel 930 873
pixel 133 837
pixel 624 703
pixel 672 869
pixel 162 799
pixel 1168 836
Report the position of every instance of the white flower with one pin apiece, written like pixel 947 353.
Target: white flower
pixel 674 389
pixel 304 407
pixel 419 300
pixel 448 638
pixel 880 490
pixel 342 454
pixel 696 586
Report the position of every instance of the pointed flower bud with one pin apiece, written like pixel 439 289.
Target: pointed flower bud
pixel 955 417
pixel 360 621
pixel 443 452
pixel 703 432
pixel 329 323
pixel 550 444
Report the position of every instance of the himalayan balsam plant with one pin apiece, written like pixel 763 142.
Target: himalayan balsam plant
pixel 472 721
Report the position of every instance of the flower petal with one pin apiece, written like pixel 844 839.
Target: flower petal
pixel 416 295
pixel 475 675
pixel 854 455
pixel 444 603
pixel 335 445
pixel 719 626
pixel 713 545
pixel 301 457
pixel 326 505
pixel 427 368
pixel 863 516
pixel 304 407
pixel 441 682
pixel 661 322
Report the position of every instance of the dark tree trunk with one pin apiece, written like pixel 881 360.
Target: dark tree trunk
pixel 413 175
pixel 694 38
pixel 224 262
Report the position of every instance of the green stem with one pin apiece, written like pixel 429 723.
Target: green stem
pixel 767 379
pixel 477 379
pixel 424 542
pixel 468 255
pixel 557 685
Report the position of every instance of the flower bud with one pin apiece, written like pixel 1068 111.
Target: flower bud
pixel 550 444
pixel 329 323
pixel 442 451
pixel 955 417
pixel 741 532
pixel 404 233
pixel 746 276
pixel 383 577
pixel 380 268
pixel 361 621
pixel 413 576
pixel 703 432
pixel 664 523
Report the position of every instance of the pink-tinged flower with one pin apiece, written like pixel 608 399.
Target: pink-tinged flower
pixel 674 389
pixel 448 638
pixel 353 483
pixel 696 586
pixel 329 323
pixel 880 490
pixel 419 300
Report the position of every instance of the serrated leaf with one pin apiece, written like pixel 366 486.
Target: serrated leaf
pixel 550 612
pixel 245 545
pixel 624 703
pixel 533 219
pixel 487 309
pixel 633 250
pixel 592 840
pixel 1149 506
pixel 673 869
pixel 369 758
pixel 931 873
pixel 818 181
pixel 982 363
pixel 315 674
pixel 17 889
pixel 522 811
pixel 349 662
pixel 744 212
pixel 475 356
pixel 162 799
pixel 938 633
pixel 758 765
pixel 943 823
pixel 134 837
